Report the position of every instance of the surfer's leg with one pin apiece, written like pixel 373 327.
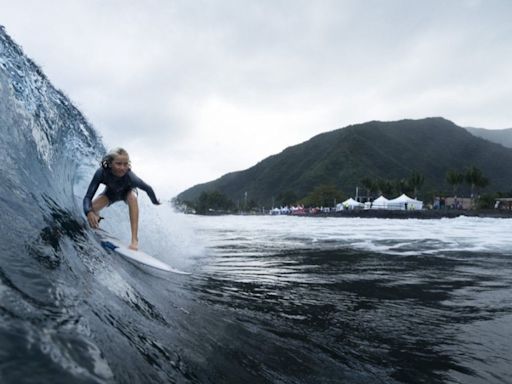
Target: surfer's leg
pixel 99 203
pixel 133 208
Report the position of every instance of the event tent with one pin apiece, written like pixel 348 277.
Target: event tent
pixel 404 202
pixel 380 203
pixel 349 204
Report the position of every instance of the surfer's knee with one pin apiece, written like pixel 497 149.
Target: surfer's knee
pixel 131 198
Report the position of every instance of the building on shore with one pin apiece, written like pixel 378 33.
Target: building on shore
pixel 458 203
pixel 504 203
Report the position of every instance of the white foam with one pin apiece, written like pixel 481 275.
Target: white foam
pixel 377 235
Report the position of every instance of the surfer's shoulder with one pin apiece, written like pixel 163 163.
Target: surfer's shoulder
pixel 100 173
pixel 132 176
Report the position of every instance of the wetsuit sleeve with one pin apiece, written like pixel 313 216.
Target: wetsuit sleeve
pixel 93 187
pixel 138 183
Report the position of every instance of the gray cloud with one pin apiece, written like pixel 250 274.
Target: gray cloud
pixel 207 87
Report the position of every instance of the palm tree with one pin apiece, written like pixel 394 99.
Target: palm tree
pixel 369 185
pixel 455 179
pixel 476 179
pixel 416 181
pixel 401 186
pixel 385 187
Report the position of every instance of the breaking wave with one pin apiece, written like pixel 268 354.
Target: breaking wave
pixel 65 303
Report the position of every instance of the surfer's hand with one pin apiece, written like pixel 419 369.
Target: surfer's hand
pixel 93 219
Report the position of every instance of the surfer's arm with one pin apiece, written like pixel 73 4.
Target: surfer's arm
pixel 93 187
pixel 138 183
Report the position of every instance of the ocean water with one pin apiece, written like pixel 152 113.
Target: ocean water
pixel 330 300
pixel 270 300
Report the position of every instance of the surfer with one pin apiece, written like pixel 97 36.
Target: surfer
pixel 121 184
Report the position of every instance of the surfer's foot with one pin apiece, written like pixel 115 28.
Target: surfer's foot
pixel 134 245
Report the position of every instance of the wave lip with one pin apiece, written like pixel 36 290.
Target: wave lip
pixel 45 251
pixel 36 113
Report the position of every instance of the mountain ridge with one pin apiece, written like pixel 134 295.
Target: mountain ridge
pixel 498 136
pixel 375 149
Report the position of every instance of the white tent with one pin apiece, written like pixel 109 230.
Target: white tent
pixel 351 204
pixel 404 202
pixel 280 211
pixel 380 203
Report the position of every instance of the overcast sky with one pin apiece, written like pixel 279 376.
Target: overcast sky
pixel 196 89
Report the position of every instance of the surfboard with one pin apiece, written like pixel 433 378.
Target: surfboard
pixel 112 243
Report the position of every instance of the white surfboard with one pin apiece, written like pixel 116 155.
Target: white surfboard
pixel 111 243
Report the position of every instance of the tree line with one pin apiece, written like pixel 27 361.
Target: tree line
pixel 326 195
pixel 473 176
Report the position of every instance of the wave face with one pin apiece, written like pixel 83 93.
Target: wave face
pixel 70 312
pixel 45 145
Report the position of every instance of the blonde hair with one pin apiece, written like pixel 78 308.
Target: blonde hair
pixel 106 161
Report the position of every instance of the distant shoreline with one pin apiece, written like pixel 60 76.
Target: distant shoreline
pixel 391 214
pixel 422 214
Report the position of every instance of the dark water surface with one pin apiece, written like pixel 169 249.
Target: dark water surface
pixel 331 313
pixel 271 300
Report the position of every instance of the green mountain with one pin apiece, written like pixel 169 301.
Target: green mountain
pixel 387 150
pixel 499 136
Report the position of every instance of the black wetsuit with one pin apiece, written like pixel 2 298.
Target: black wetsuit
pixel 117 188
